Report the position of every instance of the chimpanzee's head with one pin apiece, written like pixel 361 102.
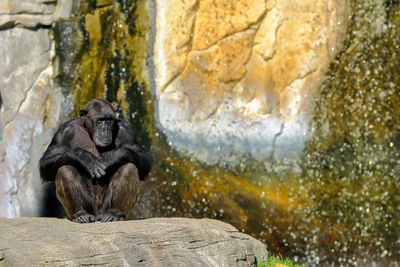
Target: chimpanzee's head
pixel 99 117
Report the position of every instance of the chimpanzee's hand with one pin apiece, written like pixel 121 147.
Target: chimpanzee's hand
pixel 87 160
pixel 107 159
pixel 96 168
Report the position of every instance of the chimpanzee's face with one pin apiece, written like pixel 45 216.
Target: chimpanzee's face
pixel 103 131
pixel 99 119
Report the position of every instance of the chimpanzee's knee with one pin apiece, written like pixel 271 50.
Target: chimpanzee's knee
pixel 129 171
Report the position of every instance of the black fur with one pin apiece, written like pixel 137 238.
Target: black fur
pixel 101 162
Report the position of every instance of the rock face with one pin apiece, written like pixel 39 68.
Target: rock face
pixel 237 77
pixel 149 242
pixel 31 107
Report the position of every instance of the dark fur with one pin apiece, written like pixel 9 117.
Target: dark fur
pixel 96 164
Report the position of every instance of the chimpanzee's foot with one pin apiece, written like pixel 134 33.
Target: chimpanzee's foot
pixel 110 217
pixel 83 217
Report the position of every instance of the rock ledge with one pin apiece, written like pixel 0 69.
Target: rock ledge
pixel 148 242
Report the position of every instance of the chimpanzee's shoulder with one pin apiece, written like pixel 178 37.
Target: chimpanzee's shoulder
pixel 125 132
pixel 123 125
pixel 70 126
pixel 71 123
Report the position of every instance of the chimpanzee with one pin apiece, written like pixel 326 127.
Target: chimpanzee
pixel 96 164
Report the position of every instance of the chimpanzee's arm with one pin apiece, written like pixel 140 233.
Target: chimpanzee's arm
pixel 128 150
pixel 59 153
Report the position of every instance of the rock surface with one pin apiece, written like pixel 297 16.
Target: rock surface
pixel 31 106
pixel 237 77
pixel 149 242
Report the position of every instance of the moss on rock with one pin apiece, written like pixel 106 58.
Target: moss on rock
pixel 101 52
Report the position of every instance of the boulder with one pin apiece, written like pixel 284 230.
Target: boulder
pixel 148 242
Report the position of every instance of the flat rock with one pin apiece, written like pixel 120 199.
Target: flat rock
pixel 149 242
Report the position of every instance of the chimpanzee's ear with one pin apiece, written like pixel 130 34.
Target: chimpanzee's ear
pixel 83 112
pixel 116 107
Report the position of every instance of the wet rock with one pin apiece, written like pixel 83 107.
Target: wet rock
pixel 149 242
pixel 239 76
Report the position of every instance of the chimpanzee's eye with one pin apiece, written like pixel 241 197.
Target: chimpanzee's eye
pixel 105 121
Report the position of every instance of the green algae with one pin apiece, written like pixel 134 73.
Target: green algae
pixel 100 53
pixel 352 160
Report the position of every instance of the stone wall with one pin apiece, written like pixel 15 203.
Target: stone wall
pixel 229 79
pixel 31 107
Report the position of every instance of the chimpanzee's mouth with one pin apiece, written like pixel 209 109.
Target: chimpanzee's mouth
pixel 99 141
pixel 106 142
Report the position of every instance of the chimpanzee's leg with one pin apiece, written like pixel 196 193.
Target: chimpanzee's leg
pixel 74 192
pixel 120 195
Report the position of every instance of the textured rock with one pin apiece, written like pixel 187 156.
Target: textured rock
pixel 26 13
pixel 33 13
pixel 21 69
pixel 150 242
pixel 239 76
pixel 31 106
